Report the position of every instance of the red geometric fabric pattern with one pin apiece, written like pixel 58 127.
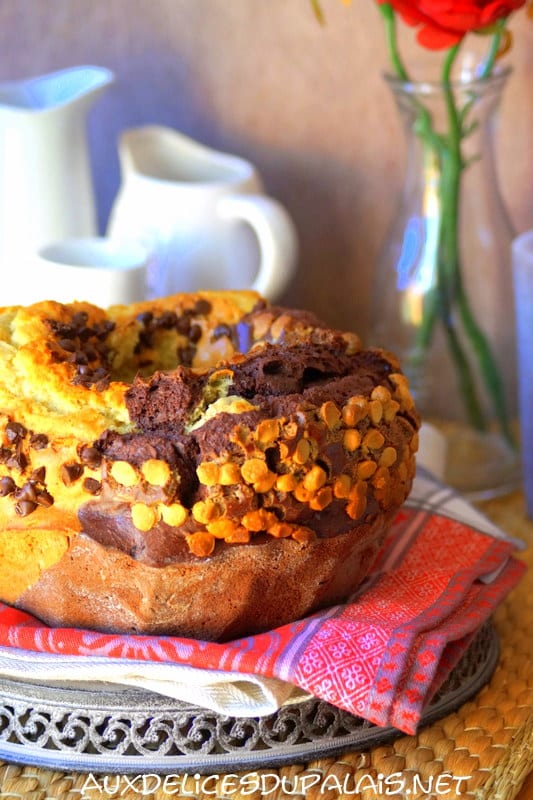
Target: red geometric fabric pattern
pixel 381 656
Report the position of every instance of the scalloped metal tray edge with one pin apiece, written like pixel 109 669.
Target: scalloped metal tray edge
pixel 132 731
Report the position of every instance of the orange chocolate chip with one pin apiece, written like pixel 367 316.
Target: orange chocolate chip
pixel 374 439
pixel 268 431
pixel 390 410
pixel 302 452
pixel 290 429
pixel 365 470
pixel 266 483
pixel 302 494
pixel 375 408
pixel 321 499
pixel 143 517
pixel 124 473
pixel 315 478
pixel 381 393
pixel 388 457
pixel 281 530
pixel 355 410
pixel 156 472
pixel 229 474
pixel 174 515
pixel 208 473
pixel 222 528
pixel 356 505
pixel 259 520
pixel 304 535
pixel 330 414
pixel 351 440
pixel 342 486
pixel 254 470
pixel 286 483
pixel 205 511
pixel 201 543
pixel 239 535
pixel 381 478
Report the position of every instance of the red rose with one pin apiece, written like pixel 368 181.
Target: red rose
pixel 443 23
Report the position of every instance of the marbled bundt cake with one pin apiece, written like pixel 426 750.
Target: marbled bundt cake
pixel 203 465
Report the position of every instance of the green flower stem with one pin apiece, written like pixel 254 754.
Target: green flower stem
pixel 487 364
pixel 449 264
pixel 448 277
pixel 494 48
pixel 464 372
pixel 387 12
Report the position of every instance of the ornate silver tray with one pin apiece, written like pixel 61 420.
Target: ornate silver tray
pixel 126 731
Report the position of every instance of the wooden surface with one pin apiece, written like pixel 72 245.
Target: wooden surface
pixel 490 738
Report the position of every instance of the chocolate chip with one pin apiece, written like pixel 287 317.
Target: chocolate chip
pixel 85 334
pixel 80 358
pixel 60 329
pixel 71 472
pixel 15 432
pixel 183 324
pixel 38 474
pixel 38 441
pixel 202 307
pixel 145 341
pixel 7 486
pixel 145 317
pixel 67 344
pixel 80 318
pixel 91 353
pixel 103 384
pixel 84 345
pixel 104 328
pixel 99 373
pixel 17 461
pixel 90 456
pixel 92 486
pixel 4 454
pixel 27 492
pixel 44 498
pixel 25 507
pixel 195 333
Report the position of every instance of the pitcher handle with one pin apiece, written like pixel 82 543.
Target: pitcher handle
pixel 276 235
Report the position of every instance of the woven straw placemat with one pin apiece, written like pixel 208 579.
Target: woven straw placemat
pixel 484 751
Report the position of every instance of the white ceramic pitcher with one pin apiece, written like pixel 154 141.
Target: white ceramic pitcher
pixel 46 190
pixel 202 214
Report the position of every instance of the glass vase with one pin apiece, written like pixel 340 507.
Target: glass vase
pixel 443 294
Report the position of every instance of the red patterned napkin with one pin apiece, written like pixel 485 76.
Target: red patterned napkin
pixel 381 656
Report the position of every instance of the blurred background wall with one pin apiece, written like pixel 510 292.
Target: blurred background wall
pixel 262 79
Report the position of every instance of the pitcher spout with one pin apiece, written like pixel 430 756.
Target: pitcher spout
pixel 161 154
pixel 55 89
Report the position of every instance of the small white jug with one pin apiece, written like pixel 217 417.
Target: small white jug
pixel 95 269
pixel 46 189
pixel 203 216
